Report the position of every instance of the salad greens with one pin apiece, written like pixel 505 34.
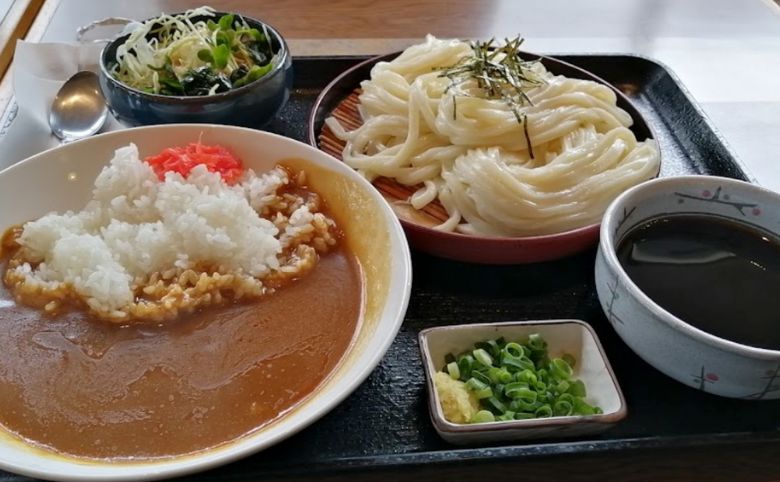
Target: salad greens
pixel 184 55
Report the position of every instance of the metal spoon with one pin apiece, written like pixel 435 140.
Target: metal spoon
pixel 79 109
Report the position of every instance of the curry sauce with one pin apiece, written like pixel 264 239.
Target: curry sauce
pixel 91 389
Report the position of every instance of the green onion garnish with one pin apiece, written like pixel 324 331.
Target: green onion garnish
pixel 562 408
pixel 453 370
pixel 483 357
pixel 543 411
pixel 536 342
pixel 514 349
pixel 483 416
pixel 519 381
pixel 484 393
pixel 465 364
pixel 474 385
pixel 494 405
pixel 561 368
pixel 506 416
pixel 577 388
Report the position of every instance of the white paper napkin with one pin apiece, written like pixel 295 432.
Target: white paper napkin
pixel 39 70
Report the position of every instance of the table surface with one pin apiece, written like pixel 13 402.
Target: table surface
pixel 727 52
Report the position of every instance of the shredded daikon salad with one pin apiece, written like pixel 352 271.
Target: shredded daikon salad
pixel 194 53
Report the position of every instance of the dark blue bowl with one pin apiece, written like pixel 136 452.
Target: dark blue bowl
pixel 251 105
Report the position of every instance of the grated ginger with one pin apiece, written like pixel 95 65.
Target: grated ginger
pixel 457 403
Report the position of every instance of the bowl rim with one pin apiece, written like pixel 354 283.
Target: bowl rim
pixel 443 425
pixel 508 241
pixel 399 277
pixel 284 59
pixel 607 247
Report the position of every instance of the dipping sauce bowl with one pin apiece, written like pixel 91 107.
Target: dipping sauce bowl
pixel 680 350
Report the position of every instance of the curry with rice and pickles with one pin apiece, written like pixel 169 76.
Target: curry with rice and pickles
pixel 190 302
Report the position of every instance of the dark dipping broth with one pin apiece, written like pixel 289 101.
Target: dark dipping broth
pixel 718 275
pixel 91 389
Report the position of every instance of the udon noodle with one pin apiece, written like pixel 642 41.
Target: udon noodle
pixel 550 164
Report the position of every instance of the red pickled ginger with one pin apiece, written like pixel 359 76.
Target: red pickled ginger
pixel 183 159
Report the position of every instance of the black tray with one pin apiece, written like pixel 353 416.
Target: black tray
pixel 383 429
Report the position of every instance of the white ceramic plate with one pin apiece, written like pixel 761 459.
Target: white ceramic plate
pixel 61 179
pixel 574 337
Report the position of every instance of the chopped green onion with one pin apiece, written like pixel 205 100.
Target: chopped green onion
pixel 499 375
pixel 509 387
pixel 562 408
pixel 506 416
pixel 480 376
pixel 481 389
pixel 527 363
pixel 453 370
pixel 567 397
pixel 527 351
pixel 494 405
pixel 483 416
pixel 560 368
pixel 484 393
pixel 527 376
pixel 498 389
pixel 519 405
pixel 543 411
pixel 561 387
pixel 465 364
pixel 494 374
pixel 577 388
pixel 516 381
pixel 482 356
pixel 582 408
pixel 523 393
pixel 490 346
pixel 515 364
pixel 474 384
pixel 514 349
pixel 536 342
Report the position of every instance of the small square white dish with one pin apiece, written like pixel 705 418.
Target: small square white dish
pixel 574 337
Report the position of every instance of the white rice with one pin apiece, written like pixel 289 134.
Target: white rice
pixel 135 225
